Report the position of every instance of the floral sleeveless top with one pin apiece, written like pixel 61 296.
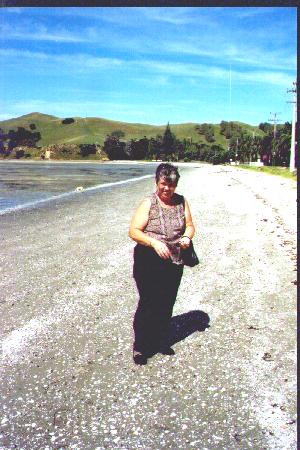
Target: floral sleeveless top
pixel 167 224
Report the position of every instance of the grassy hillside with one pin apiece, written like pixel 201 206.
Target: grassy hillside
pixel 91 130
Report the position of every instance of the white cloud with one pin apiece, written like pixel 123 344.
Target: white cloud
pixel 163 70
pixel 13 53
pixel 173 16
pixel 80 60
pixel 244 12
pixel 247 55
pixel 93 108
pixel 160 80
pixel 207 71
pixel 215 41
pixel 132 16
pixel 275 78
pixel 39 32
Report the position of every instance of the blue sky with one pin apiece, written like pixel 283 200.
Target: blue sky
pixel 149 65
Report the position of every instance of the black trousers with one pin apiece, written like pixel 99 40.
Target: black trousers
pixel 157 281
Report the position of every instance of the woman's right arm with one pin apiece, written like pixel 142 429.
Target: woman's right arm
pixel 137 227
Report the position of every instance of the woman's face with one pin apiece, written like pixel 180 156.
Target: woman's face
pixel 165 189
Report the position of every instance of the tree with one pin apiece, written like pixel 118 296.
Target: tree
pixel 203 151
pixel 207 130
pixel 168 141
pixel 266 149
pixel 20 154
pixel 143 145
pixel 230 129
pixel 137 149
pixel 87 149
pixel 114 148
pixel 282 145
pixel 245 148
pixel 67 121
pixel 154 147
pixel 256 147
pixel 118 134
pixel 18 138
pixel 217 154
pixel 265 127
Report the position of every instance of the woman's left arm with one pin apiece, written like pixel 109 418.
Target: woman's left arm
pixel 189 227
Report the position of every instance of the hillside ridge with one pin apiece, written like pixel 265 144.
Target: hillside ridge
pixel 92 130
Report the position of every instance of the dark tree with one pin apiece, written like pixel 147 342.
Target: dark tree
pixel 137 149
pixel 87 149
pixel 203 150
pixel 67 121
pixel 114 148
pixel 118 134
pixel 265 127
pixel 21 137
pixel 129 148
pixel 217 154
pixel 20 154
pixel 168 141
pixel 207 130
pixel 282 145
pixel 191 151
pixel 154 148
pixel 230 129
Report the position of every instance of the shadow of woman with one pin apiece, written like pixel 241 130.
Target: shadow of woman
pixel 186 324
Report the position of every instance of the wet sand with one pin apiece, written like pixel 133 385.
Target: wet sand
pixel 67 303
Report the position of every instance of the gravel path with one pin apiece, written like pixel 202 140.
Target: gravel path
pixel 67 303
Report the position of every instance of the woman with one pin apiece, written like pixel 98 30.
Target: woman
pixel 162 226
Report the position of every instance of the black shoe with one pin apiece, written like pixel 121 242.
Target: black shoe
pixel 139 359
pixel 167 351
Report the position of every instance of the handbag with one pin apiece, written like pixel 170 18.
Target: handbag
pixel 189 256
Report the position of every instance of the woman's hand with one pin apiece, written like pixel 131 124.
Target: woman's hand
pixel 184 242
pixel 161 249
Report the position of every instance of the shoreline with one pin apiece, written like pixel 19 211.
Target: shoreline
pixel 191 164
pixel 69 194
pixel 103 186
pixel 121 161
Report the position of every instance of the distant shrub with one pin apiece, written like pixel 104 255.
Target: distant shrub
pixel 207 130
pixel 67 121
pixel 87 149
pixel 216 159
pixel 114 149
pixel 62 151
pixel 118 134
pixel 20 154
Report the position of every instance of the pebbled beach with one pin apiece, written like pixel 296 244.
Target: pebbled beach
pixel 67 303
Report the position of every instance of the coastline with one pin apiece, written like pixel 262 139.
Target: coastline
pixel 121 161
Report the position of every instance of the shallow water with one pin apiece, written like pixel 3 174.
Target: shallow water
pixel 27 184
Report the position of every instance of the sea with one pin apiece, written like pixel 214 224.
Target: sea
pixel 28 184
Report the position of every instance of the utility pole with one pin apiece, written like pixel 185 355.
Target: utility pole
pixel 293 137
pixel 253 134
pixel 275 121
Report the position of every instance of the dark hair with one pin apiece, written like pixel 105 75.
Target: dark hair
pixel 167 171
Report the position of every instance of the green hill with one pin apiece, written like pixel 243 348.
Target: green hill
pixel 92 129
